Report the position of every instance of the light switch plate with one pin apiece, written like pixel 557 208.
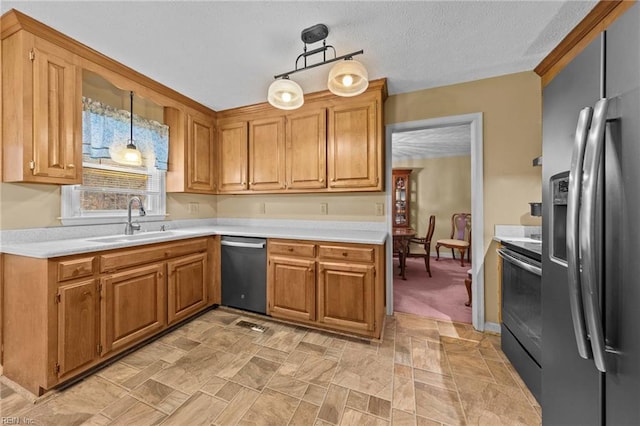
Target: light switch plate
pixel 194 207
pixel 323 208
pixel 379 209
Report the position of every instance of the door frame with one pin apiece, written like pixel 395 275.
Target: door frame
pixel 474 120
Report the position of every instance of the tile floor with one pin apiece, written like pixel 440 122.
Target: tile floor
pixel 211 371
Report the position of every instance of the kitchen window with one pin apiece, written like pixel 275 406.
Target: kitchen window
pixel 106 185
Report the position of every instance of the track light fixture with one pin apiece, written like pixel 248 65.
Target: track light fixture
pixel 346 78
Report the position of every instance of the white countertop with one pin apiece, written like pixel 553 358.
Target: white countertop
pixel 71 246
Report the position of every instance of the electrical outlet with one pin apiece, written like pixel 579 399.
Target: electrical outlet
pixel 261 208
pixel 379 209
pixel 323 208
pixel 194 207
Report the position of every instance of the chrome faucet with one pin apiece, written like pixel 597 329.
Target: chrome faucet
pixel 130 227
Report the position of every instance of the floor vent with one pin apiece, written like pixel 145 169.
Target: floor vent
pixel 252 326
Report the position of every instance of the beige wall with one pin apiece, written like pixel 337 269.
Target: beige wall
pixel 511 107
pixel 352 206
pixel 439 186
pixel 29 205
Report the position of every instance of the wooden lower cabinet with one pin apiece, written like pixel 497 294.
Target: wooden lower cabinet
pixel 63 316
pixel 346 295
pixel 293 288
pixel 133 306
pixel 78 325
pixel 336 286
pixel 187 286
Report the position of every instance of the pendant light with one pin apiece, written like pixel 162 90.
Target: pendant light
pixel 131 155
pixel 347 78
pixel 285 94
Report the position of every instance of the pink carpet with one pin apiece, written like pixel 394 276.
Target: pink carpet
pixel 442 296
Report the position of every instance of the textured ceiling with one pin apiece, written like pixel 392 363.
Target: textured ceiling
pixel 225 54
pixel 431 143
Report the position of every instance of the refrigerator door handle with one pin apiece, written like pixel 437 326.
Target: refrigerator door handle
pixel 573 230
pixel 588 251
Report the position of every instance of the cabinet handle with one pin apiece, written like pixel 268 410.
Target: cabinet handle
pixel 290 249
pixel 86 293
pixel 345 254
pixel 71 166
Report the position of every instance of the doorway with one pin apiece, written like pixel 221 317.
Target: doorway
pixel 473 123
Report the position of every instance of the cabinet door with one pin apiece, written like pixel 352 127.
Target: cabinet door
pixel 57 119
pixel 291 288
pixel 78 325
pixel 201 155
pixel 352 146
pixel 187 286
pixel 306 136
pixel 266 154
pixel 133 306
pixel 232 157
pixel 346 295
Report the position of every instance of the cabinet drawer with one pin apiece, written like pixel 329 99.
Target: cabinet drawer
pixel 75 268
pixel 294 249
pixel 148 254
pixel 356 254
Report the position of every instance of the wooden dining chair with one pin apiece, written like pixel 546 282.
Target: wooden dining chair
pixel 460 239
pixel 426 244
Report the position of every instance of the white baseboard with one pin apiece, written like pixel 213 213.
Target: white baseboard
pixel 492 327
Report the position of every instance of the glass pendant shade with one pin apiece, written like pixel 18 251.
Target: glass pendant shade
pixel 348 78
pixel 285 94
pixel 131 155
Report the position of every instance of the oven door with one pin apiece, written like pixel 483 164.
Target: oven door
pixel 522 300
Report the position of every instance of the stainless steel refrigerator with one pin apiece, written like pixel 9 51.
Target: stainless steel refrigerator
pixel 591 234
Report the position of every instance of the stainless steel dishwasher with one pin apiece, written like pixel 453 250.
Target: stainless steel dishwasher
pixel 244 273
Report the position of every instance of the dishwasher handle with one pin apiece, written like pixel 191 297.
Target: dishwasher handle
pixel 243 245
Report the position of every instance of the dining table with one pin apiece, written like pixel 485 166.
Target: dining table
pixel 401 238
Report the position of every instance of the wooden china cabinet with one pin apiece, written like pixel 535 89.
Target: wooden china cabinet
pixel 401 198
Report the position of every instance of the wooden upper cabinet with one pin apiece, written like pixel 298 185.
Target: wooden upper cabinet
pixel 201 153
pixel 306 149
pixel 353 152
pixel 192 155
pixel 266 154
pixel 331 144
pixel 232 156
pixel 42 112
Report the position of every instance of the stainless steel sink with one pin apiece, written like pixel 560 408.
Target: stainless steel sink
pixel 143 236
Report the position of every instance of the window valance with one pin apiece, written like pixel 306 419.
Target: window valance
pixel 103 126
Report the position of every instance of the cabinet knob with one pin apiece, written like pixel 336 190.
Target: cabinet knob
pixel 321 179
pixel 345 254
pixel 71 166
pixel 290 249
